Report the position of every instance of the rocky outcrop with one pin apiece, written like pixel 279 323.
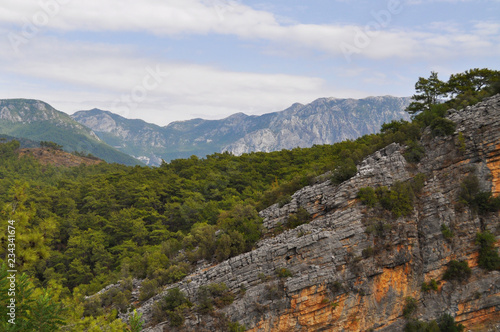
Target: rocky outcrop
pixel 351 267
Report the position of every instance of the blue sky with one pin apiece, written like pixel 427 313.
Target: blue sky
pixel 169 60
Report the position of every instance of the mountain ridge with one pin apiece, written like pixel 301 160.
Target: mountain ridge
pixel 38 121
pixel 296 126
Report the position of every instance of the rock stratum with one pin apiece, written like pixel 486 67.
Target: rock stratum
pixel 344 276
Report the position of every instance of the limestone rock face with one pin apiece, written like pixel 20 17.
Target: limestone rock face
pixel 352 267
pixel 324 121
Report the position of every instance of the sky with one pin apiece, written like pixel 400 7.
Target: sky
pixel 174 60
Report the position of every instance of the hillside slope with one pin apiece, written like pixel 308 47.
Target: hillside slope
pixel 352 266
pixel 38 121
pixel 58 157
pixel 324 121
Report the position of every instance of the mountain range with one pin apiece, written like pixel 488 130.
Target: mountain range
pixel 38 121
pixel 324 121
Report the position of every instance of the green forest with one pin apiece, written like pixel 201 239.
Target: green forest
pixel 82 228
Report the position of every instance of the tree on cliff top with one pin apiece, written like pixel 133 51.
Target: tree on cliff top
pixel 429 90
pixel 465 89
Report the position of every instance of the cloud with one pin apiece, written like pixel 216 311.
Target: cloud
pixel 378 38
pixel 115 78
pixel 75 75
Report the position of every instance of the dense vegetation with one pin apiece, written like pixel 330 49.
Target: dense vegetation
pixel 82 228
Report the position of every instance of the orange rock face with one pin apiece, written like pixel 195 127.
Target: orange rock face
pixel 314 309
pixel 494 166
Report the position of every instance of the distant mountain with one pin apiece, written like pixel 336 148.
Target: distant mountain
pixel 324 121
pixel 38 121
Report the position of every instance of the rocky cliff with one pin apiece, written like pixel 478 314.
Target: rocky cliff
pixel 352 266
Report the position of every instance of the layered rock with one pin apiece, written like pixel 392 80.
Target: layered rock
pixel 352 267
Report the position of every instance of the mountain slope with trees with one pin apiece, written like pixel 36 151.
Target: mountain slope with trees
pixel 89 236
pixel 38 121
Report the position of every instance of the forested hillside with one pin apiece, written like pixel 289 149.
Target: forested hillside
pixel 79 229
pixel 38 121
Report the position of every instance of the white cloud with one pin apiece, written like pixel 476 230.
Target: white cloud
pixel 114 79
pixel 75 75
pixel 179 17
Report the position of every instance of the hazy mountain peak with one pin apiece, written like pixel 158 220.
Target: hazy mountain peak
pixel 39 121
pixel 323 121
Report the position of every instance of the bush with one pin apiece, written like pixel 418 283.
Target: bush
pixel 336 287
pixel 401 196
pixel 457 270
pixel 174 299
pixel 418 183
pixel 173 274
pixel 447 233
pixel 148 289
pixel 427 117
pixel 469 188
pixel 442 127
pixel 50 145
pixel 367 196
pixel 410 307
pixel 484 202
pixel 368 252
pixel 214 294
pixel 488 254
pixel 415 152
pixel 284 273
pixel 92 307
pixel 447 324
pixel 172 306
pixel 236 327
pixel 378 228
pixel 298 218
pixel 121 301
pixel 431 285
pixel 176 317
pixel 135 322
pixel 284 200
pixel 344 170
pixel 420 326
pixel 262 277
pixel 274 291
pixel 398 200
pixel 461 143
